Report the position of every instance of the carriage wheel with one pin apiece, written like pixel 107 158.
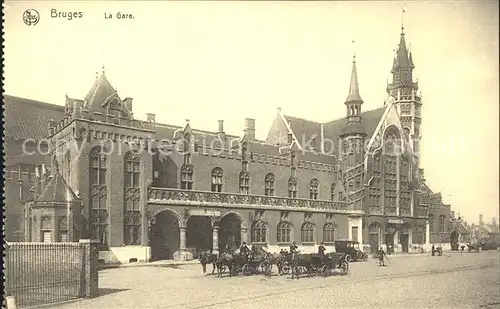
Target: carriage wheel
pixel 247 270
pixel 315 271
pixel 285 270
pixel 325 270
pixel 359 255
pixel 344 266
pixel 365 256
pixel 348 258
pixel 235 270
pixel 266 268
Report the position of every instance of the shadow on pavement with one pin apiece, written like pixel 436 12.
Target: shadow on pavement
pixel 106 291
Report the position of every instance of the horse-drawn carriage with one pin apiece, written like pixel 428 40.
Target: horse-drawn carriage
pixel 313 265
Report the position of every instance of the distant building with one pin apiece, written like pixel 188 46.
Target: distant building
pixel 488 234
pixel 171 191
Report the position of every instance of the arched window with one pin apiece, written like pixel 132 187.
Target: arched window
pixel 307 233
pixel 332 192
pixel 284 232
pixel 98 216
pixel 217 175
pixel 259 231
pixel 187 171
pixel 132 199
pixel 244 182
pixel 441 223
pixel 328 233
pixel 431 223
pixel 358 184
pixel 68 167
pixel 313 189
pixel 269 185
pixel 292 187
pixel 351 187
pixel 392 141
pixel 341 196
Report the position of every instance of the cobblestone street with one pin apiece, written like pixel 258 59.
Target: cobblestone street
pixel 469 280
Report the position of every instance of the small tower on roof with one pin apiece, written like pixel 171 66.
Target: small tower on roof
pixel 353 104
pixel 353 133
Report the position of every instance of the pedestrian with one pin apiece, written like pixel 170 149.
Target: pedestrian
pixel 381 256
pixel 321 252
pixel 432 248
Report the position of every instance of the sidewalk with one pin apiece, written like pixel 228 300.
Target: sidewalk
pixel 161 263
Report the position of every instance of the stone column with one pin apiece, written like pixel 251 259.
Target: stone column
pixel 182 238
pixel 427 233
pixel 244 235
pixel 215 240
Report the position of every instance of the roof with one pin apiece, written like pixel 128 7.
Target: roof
pixel 57 191
pixel 354 87
pixel 100 91
pixel 304 129
pixel 26 118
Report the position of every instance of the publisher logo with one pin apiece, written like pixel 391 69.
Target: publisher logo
pixel 31 17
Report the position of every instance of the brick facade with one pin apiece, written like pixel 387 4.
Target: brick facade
pixel 366 191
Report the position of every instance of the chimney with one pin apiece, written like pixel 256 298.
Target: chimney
pixel 493 221
pixel 481 223
pixel 250 129
pixel 322 146
pixel 128 103
pixel 221 134
pixel 221 126
pixel 151 117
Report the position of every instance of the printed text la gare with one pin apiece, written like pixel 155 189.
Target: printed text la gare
pixel 119 15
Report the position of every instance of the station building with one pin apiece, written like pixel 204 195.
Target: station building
pixel 148 191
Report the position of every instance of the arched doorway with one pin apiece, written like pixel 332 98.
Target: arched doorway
pixel 230 232
pixel 390 230
pixel 199 234
pixel 374 236
pixel 404 238
pixel 164 236
pixel 454 239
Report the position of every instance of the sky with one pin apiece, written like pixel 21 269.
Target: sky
pixel 206 61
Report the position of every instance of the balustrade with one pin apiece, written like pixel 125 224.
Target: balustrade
pixel 205 197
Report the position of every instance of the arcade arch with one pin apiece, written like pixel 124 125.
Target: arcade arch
pixel 164 235
pixel 232 230
pixel 199 235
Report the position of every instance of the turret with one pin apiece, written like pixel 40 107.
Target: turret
pixel 353 133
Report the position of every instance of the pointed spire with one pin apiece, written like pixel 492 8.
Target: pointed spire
pixel 354 87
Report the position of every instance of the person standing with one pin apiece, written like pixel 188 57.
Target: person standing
pixel 321 252
pixel 381 257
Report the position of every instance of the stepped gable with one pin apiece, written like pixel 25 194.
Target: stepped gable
pixel 25 118
pixel 57 190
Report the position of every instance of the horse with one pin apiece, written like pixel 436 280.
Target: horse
pixel 207 257
pixel 277 259
pixel 230 261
